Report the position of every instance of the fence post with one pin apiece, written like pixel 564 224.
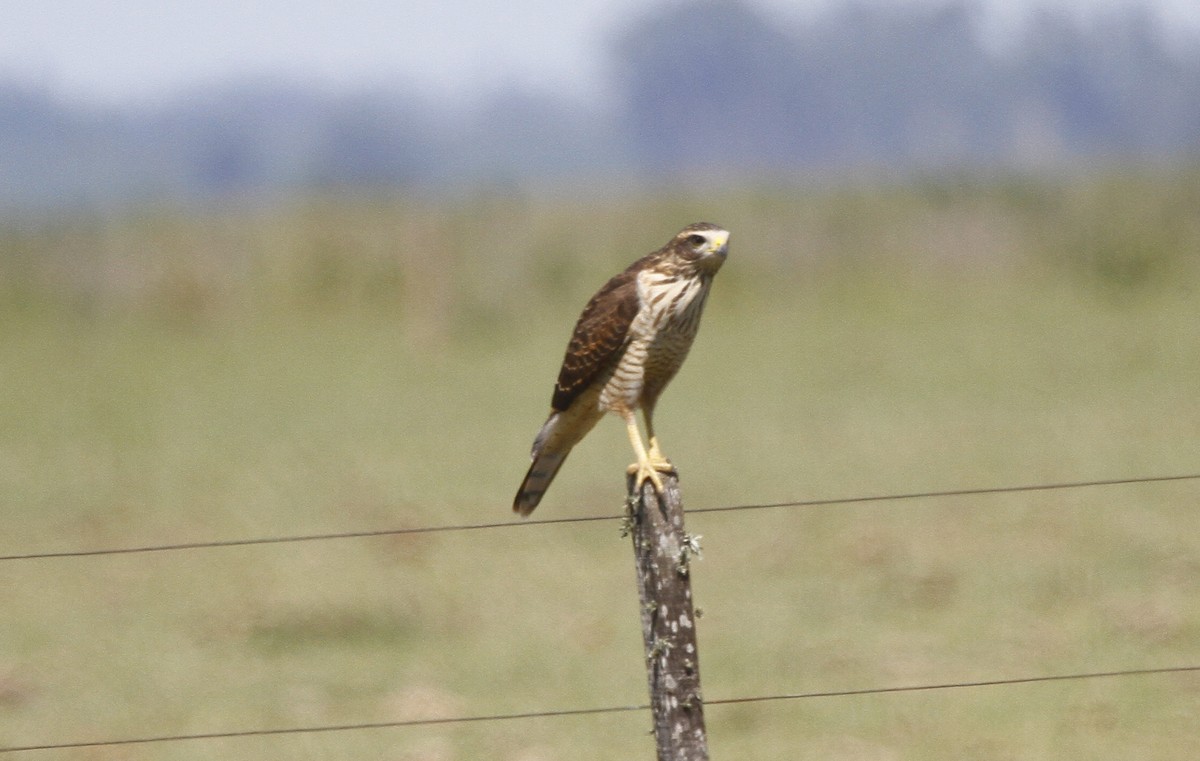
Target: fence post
pixel 663 551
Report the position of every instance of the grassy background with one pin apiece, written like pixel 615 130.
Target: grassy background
pixel 359 364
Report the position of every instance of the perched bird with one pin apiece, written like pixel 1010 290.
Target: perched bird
pixel 629 342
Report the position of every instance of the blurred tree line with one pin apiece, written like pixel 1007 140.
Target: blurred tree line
pixel 707 85
pixel 908 85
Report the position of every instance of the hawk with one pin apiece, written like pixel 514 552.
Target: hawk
pixel 629 342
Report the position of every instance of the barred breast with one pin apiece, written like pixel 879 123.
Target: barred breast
pixel 659 338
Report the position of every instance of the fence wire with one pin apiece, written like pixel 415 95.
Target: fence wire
pixel 563 713
pixel 237 734
pixel 518 524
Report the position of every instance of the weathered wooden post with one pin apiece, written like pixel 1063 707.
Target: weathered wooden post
pixel 663 551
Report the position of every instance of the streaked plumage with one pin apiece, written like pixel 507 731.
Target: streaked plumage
pixel 629 342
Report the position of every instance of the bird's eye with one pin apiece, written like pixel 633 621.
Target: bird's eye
pixel 696 240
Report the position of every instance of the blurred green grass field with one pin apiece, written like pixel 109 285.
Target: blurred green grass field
pixel 366 364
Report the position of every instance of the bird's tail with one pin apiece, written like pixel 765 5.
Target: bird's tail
pixel 548 456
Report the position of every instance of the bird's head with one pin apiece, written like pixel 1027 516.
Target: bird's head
pixel 702 246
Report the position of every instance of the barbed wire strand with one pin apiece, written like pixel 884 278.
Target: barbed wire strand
pixel 177 546
pixel 596 711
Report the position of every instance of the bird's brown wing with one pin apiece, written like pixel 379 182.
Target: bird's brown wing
pixel 599 336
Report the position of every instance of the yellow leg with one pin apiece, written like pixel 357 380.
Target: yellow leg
pixel 644 468
pixel 657 459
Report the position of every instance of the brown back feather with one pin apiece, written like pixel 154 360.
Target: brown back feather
pixel 599 334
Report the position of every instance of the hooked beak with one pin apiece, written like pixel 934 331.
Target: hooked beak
pixel 720 245
pixel 712 261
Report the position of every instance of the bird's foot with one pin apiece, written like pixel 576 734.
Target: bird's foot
pixel 648 470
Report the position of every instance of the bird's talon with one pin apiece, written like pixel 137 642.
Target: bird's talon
pixel 649 471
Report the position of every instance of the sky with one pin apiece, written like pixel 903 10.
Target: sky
pixel 128 51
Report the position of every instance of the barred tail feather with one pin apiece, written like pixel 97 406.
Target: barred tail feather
pixel 548 457
pixel 537 480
